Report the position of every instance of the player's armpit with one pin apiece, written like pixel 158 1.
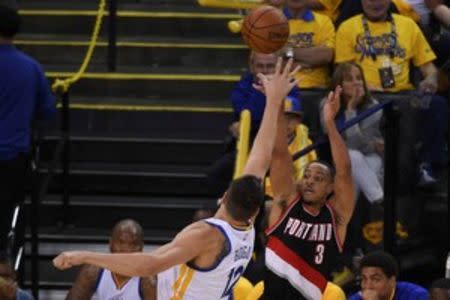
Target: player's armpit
pixel 276 210
pixel 84 285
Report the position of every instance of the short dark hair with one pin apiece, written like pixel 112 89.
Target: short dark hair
pixel 10 21
pixel 131 226
pixel 382 260
pixel 326 164
pixel 244 196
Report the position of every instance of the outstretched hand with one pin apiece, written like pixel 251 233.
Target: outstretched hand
pixel 278 85
pixel 332 105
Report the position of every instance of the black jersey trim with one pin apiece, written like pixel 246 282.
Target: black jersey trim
pixel 272 228
pixel 337 238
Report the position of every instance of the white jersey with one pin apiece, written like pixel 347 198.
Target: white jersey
pixel 189 282
pixel 107 289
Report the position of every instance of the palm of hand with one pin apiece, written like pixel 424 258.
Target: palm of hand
pixel 332 105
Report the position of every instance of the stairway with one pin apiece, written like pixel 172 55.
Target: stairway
pixel 143 136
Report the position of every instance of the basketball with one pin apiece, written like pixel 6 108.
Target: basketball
pixel 265 29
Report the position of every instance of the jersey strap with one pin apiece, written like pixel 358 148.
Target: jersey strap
pixel 182 283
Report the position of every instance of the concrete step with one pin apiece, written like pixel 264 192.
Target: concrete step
pixel 138 51
pixel 152 83
pixel 163 213
pixel 121 120
pixel 154 21
pixel 132 179
pixel 135 150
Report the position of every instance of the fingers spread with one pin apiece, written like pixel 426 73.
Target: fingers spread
pixel 262 78
pixel 330 96
pixel 278 65
pixel 295 71
pixel 288 67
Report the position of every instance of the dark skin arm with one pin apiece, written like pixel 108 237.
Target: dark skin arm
pixel 84 286
pixel 281 172
pixel 343 200
pixel 148 288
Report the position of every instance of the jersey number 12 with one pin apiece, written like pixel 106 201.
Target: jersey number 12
pixel 233 277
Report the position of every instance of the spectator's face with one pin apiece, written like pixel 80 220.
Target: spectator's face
pixel 263 63
pixel 352 82
pixel 292 122
pixel 316 184
pixel 439 294
pixel 6 271
pixel 125 241
pixel 373 278
pixel 376 10
pixel 277 3
pixel 296 4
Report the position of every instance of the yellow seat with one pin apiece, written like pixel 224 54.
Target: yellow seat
pixel 333 292
pixel 242 289
pixel 256 292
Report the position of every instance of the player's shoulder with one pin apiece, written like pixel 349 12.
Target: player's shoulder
pixel 206 228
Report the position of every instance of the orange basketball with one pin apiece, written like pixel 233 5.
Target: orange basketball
pixel 265 29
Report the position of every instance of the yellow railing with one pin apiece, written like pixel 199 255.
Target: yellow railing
pixel 242 145
pixel 237 4
pixel 63 85
pixel 302 132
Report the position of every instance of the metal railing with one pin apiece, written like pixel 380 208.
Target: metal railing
pixel 39 186
pixel 12 239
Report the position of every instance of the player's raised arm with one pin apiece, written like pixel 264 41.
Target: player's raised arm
pixel 276 88
pixel 191 242
pixel 281 172
pixel 344 189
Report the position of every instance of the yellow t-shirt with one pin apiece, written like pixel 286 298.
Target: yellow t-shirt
pixel 411 46
pixel 333 292
pixel 331 8
pixel 242 289
pixel 319 31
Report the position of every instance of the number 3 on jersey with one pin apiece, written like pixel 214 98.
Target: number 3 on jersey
pixel 233 277
pixel 320 249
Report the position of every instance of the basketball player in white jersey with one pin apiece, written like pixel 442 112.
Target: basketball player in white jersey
pixel 212 254
pixel 126 237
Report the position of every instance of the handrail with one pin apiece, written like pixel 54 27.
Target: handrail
pixel 62 88
pixel 18 260
pixel 323 139
pixel 12 232
pixel 64 85
pixel 242 145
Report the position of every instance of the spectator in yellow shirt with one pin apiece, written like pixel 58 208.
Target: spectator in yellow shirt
pixel 311 43
pixel 384 45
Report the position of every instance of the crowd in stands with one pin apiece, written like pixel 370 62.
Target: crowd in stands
pixel 376 51
pixel 365 52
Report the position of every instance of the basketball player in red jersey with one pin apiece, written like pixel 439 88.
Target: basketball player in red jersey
pixel 308 220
